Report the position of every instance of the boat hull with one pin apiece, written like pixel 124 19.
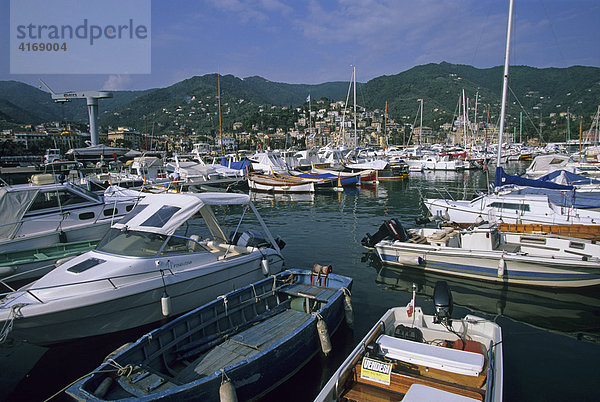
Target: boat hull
pixel 125 307
pixel 494 266
pixel 276 185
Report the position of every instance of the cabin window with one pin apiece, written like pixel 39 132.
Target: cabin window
pixel 133 214
pixel 55 199
pixel 177 245
pixel 86 215
pixel 131 243
pixel 533 240
pixel 576 245
pixel 85 265
pixel 510 205
pixel 111 212
pixel 161 216
pixel 128 208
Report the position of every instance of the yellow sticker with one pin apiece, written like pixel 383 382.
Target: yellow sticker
pixel 377 371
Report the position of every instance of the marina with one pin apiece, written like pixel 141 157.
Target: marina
pixel 134 270
pixel 544 331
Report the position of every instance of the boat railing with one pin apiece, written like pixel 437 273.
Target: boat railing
pixel 111 280
pixel 445 196
pixel 351 360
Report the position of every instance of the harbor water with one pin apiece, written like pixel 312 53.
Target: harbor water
pixel 551 339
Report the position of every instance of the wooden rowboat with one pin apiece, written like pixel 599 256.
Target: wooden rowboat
pixel 242 344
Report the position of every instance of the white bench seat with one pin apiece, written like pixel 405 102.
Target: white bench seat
pixel 422 393
pixel 442 358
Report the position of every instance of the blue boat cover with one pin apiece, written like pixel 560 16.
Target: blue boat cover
pixel 502 178
pixel 570 177
pixel 558 194
pixel 239 165
pixel 565 198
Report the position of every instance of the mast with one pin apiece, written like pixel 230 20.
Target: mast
pixel 464 105
pixel 505 83
pixel 421 124
pixel 354 76
pixel 219 97
pixel 385 128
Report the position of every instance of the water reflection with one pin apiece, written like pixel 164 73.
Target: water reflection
pixel 574 312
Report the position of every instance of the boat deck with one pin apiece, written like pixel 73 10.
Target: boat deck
pixel 244 345
pixel 311 292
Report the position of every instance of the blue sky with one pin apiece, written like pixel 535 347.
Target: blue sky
pixel 312 41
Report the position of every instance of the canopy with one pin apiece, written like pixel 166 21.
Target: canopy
pixel 164 213
pixel 13 205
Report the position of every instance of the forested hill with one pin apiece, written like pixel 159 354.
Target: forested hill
pixel 545 91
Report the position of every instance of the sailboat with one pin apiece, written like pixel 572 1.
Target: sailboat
pixel 522 213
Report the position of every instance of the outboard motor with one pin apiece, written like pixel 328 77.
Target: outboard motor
pixel 442 300
pixel 252 238
pixel 390 229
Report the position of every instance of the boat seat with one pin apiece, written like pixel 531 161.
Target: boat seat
pixel 420 392
pixel 319 293
pixel 447 359
pixel 416 238
pixel 509 248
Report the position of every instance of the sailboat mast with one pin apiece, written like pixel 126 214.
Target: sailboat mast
pixel 354 76
pixel 465 130
pixel 385 128
pixel 421 124
pixel 219 97
pixel 505 83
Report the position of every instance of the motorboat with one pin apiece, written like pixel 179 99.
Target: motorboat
pixel 166 257
pixel 268 163
pixel 220 350
pixel 511 208
pixel 486 253
pixel 412 356
pixel 39 215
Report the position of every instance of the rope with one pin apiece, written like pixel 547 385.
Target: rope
pixel 8 324
pixel 81 378
pixel 122 371
pixel 224 297
pixel 224 376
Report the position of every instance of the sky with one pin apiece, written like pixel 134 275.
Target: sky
pixel 311 41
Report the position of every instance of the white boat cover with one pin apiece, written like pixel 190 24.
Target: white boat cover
pixel 451 360
pixel 376 164
pixel 164 213
pixel 13 205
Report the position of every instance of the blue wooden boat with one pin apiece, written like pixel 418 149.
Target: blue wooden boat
pixel 332 179
pixel 242 344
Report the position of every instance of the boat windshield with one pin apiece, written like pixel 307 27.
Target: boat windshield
pixel 131 243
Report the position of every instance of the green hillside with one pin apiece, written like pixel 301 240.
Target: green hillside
pixel 191 105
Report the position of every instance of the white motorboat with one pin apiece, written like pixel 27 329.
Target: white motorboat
pixel 412 356
pixel 511 208
pixel 34 216
pixel 157 261
pixel 487 253
pixel 268 163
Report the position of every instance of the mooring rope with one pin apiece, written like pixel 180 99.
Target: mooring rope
pixel 8 324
